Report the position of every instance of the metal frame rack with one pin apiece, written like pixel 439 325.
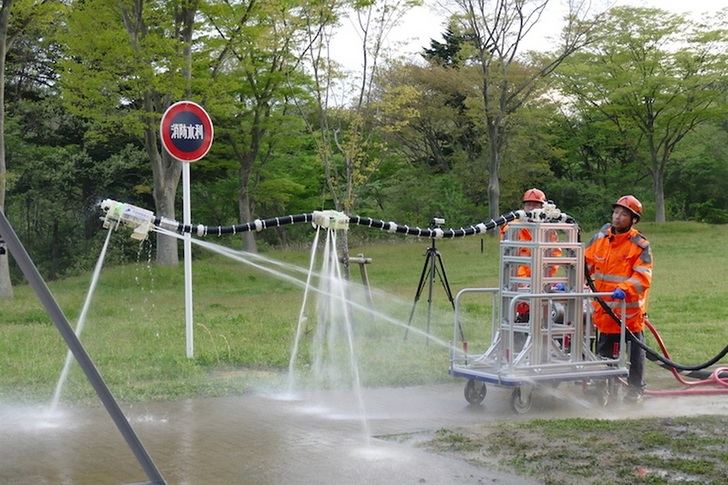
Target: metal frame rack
pixel 541 320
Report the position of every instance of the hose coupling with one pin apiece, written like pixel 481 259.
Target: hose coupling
pixel 330 219
pixel 550 211
pixel 138 219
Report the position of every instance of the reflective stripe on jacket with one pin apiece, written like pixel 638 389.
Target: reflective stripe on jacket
pixel 620 261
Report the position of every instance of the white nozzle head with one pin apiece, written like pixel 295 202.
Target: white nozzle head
pixel 141 232
pixel 551 211
pixel 138 219
pixel 112 211
pixel 330 219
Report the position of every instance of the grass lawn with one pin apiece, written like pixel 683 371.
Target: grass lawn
pixel 591 451
pixel 245 318
pixel 245 322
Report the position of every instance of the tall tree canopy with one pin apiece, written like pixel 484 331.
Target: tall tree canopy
pixel 254 56
pixel 126 64
pixel 655 76
pixel 508 80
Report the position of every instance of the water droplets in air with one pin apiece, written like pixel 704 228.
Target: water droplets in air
pixel 81 321
pixel 336 323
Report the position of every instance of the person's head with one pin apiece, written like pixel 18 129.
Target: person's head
pixel 533 199
pixel 626 212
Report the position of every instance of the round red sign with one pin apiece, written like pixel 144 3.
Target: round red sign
pixel 186 131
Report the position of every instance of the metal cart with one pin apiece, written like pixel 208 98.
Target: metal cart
pixel 541 320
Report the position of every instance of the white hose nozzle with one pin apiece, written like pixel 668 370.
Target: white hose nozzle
pixel 331 219
pixel 138 219
pixel 551 211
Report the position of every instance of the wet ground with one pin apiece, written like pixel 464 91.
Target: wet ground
pixel 264 438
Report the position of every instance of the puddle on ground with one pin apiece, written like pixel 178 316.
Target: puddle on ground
pixel 259 438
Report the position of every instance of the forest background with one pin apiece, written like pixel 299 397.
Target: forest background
pixel 629 100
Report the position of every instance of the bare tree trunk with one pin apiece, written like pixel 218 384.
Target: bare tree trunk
pixel 55 243
pixel 166 173
pixel 6 286
pixel 494 149
pixel 246 159
pixel 249 243
pixel 342 243
pixel 658 189
pixel 657 170
pixel 186 18
pixel 164 198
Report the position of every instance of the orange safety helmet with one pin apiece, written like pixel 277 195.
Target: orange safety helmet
pixel 534 195
pixel 631 203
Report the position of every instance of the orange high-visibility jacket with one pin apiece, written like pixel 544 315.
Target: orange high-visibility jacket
pixel 620 261
pixel 523 270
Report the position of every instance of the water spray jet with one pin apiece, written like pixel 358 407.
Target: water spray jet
pixel 79 352
pixel 504 353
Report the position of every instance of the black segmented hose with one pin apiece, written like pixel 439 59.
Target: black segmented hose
pixel 138 217
pixel 653 355
pixel 141 220
pixel 317 218
pixel 256 225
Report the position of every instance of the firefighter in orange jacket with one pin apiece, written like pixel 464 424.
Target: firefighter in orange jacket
pixel 532 199
pixel 619 261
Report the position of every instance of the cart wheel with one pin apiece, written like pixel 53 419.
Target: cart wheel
pixel 602 398
pixel 475 391
pixel 521 400
pixel 602 393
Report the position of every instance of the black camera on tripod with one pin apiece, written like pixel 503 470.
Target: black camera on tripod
pixel 437 221
pixel 432 268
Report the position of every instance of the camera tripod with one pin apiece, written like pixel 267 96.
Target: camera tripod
pixel 433 265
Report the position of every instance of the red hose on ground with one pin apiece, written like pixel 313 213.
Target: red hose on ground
pixel 714 378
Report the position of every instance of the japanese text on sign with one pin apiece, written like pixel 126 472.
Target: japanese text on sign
pixel 187 132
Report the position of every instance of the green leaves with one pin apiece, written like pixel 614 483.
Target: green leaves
pixel 654 77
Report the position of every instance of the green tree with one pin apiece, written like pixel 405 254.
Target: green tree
pixel 432 116
pixel 447 53
pixel 18 18
pixel 344 132
pixel 656 77
pixel 127 62
pixel 495 30
pixel 254 59
pixel 587 157
pixel 697 185
pixel 426 112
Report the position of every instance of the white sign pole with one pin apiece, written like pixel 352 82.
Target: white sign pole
pixel 186 131
pixel 187 220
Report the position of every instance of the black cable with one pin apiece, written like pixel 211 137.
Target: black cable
pixel 651 354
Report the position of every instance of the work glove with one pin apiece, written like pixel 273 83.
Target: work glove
pixel 559 287
pixel 618 294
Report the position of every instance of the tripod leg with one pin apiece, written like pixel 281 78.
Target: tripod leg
pixel 444 281
pixel 430 280
pixel 446 285
pixel 420 285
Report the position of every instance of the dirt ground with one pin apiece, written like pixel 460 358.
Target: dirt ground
pixel 683 448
